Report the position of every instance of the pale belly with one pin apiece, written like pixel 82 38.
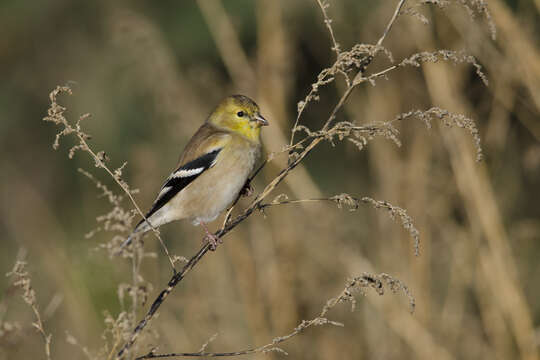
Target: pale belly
pixel 224 193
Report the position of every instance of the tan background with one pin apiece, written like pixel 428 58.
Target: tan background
pixel 150 72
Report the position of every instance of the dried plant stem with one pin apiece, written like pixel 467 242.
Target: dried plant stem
pixel 339 105
pixel 353 203
pixel 136 260
pixel 56 115
pixel 23 281
pixel 359 283
pixel 38 324
pixel 359 78
pixel 328 24
pixel 378 47
pixel 324 78
pixel 128 193
pixel 176 278
pixel 110 356
pixel 391 23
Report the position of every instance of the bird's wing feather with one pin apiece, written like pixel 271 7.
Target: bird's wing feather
pixel 200 154
pixel 208 137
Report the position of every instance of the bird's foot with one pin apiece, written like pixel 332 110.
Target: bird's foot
pixel 212 240
pixel 247 190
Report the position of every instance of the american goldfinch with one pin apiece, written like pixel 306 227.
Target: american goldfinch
pixel 212 170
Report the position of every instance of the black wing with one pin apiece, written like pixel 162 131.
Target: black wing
pixel 181 178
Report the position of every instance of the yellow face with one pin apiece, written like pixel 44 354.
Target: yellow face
pixel 240 114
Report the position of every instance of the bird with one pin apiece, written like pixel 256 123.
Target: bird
pixel 212 171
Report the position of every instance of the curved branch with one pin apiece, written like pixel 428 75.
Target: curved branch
pixel 365 281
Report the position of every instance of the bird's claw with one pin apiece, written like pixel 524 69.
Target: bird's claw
pixel 212 240
pixel 247 190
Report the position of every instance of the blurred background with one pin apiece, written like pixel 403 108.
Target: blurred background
pixel 150 72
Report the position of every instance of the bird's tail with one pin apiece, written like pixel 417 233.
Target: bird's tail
pixel 140 229
pixel 128 241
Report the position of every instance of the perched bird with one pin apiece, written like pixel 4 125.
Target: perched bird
pixel 212 170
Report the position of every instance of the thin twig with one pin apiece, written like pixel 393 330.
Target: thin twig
pixel 22 280
pixel 370 58
pixel 359 283
pixel 360 73
pixel 392 20
pixel 128 193
pixel 328 23
pixel 353 203
pixel 360 79
pixel 335 47
pixel 55 114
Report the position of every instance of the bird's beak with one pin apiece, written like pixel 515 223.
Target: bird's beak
pixel 260 120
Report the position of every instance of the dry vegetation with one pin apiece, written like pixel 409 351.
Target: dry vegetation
pixel 280 262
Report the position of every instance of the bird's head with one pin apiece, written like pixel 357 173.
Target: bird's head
pixel 239 114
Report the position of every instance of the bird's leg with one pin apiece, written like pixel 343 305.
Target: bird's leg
pixel 210 238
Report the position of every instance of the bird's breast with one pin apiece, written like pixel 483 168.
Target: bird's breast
pixel 215 189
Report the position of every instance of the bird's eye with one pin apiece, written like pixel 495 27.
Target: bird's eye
pixel 240 113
